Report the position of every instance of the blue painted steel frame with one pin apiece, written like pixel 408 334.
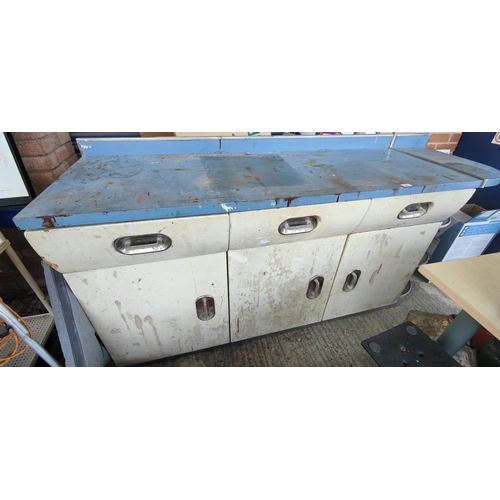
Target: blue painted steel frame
pixel 176 145
pixel 123 180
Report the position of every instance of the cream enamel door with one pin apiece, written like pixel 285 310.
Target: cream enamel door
pixel 376 267
pixel 278 287
pixel 151 311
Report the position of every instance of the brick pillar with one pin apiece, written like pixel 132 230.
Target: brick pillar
pixel 444 140
pixel 46 155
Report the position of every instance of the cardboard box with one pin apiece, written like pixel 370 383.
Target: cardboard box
pixel 469 233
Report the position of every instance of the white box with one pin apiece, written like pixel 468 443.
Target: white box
pixel 469 233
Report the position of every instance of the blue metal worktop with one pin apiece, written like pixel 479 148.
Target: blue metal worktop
pixel 143 179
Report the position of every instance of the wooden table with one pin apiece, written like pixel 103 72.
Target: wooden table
pixel 474 284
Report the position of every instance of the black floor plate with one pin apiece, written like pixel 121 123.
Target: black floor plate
pixel 406 345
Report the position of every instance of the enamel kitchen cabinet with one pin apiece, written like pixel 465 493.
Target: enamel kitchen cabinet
pixel 386 248
pixel 281 264
pixel 176 245
pixel 150 288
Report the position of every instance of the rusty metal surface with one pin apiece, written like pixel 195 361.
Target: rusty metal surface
pixel 108 189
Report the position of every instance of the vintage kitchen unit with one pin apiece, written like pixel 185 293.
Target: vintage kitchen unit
pixel 175 245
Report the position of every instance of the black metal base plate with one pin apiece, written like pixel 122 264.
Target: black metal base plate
pixel 406 345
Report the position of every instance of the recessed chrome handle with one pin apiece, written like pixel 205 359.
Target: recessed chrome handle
pixel 351 281
pixel 414 211
pixel 144 243
pixel 298 225
pixel 205 307
pixel 315 287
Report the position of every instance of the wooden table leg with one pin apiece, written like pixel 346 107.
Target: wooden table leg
pixel 458 333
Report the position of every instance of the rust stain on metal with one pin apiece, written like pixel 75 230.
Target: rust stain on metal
pixel 139 199
pixel 375 274
pixel 49 222
pixel 51 264
pixel 342 184
pixel 238 325
pixel 289 201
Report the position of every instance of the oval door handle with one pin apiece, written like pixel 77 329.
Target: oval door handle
pixel 298 225
pixel 315 287
pixel 414 211
pixel 144 243
pixel 205 307
pixel 351 281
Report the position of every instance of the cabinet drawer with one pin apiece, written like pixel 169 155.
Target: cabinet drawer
pixel 288 225
pixel 132 243
pixel 427 208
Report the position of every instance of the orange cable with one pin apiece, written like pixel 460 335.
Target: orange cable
pixel 14 353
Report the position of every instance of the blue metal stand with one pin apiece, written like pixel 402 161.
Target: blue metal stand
pixel 458 333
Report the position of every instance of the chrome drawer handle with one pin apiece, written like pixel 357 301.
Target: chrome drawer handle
pixel 351 281
pixel 205 307
pixel 414 211
pixel 315 287
pixel 145 243
pixel 298 225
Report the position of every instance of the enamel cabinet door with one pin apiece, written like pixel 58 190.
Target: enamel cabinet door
pixel 278 287
pixel 375 268
pixel 151 311
pixel 151 289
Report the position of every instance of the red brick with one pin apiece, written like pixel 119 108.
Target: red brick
pixel 39 189
pixel 64 137
pixel 456 137
pixel 45 178
pixel 39 147
pixel 72 159
pixel 443 137
pixel 47 162
pixel 50 142
pixel 29 135
pixel 70 148
pixel 445 145
pixel 30 148
pixel 62 153
pixel 431 146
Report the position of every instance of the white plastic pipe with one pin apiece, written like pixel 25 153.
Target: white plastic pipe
pixel 13 321
pixel 5 245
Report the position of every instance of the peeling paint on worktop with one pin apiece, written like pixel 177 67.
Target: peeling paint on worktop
pixel 98 190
